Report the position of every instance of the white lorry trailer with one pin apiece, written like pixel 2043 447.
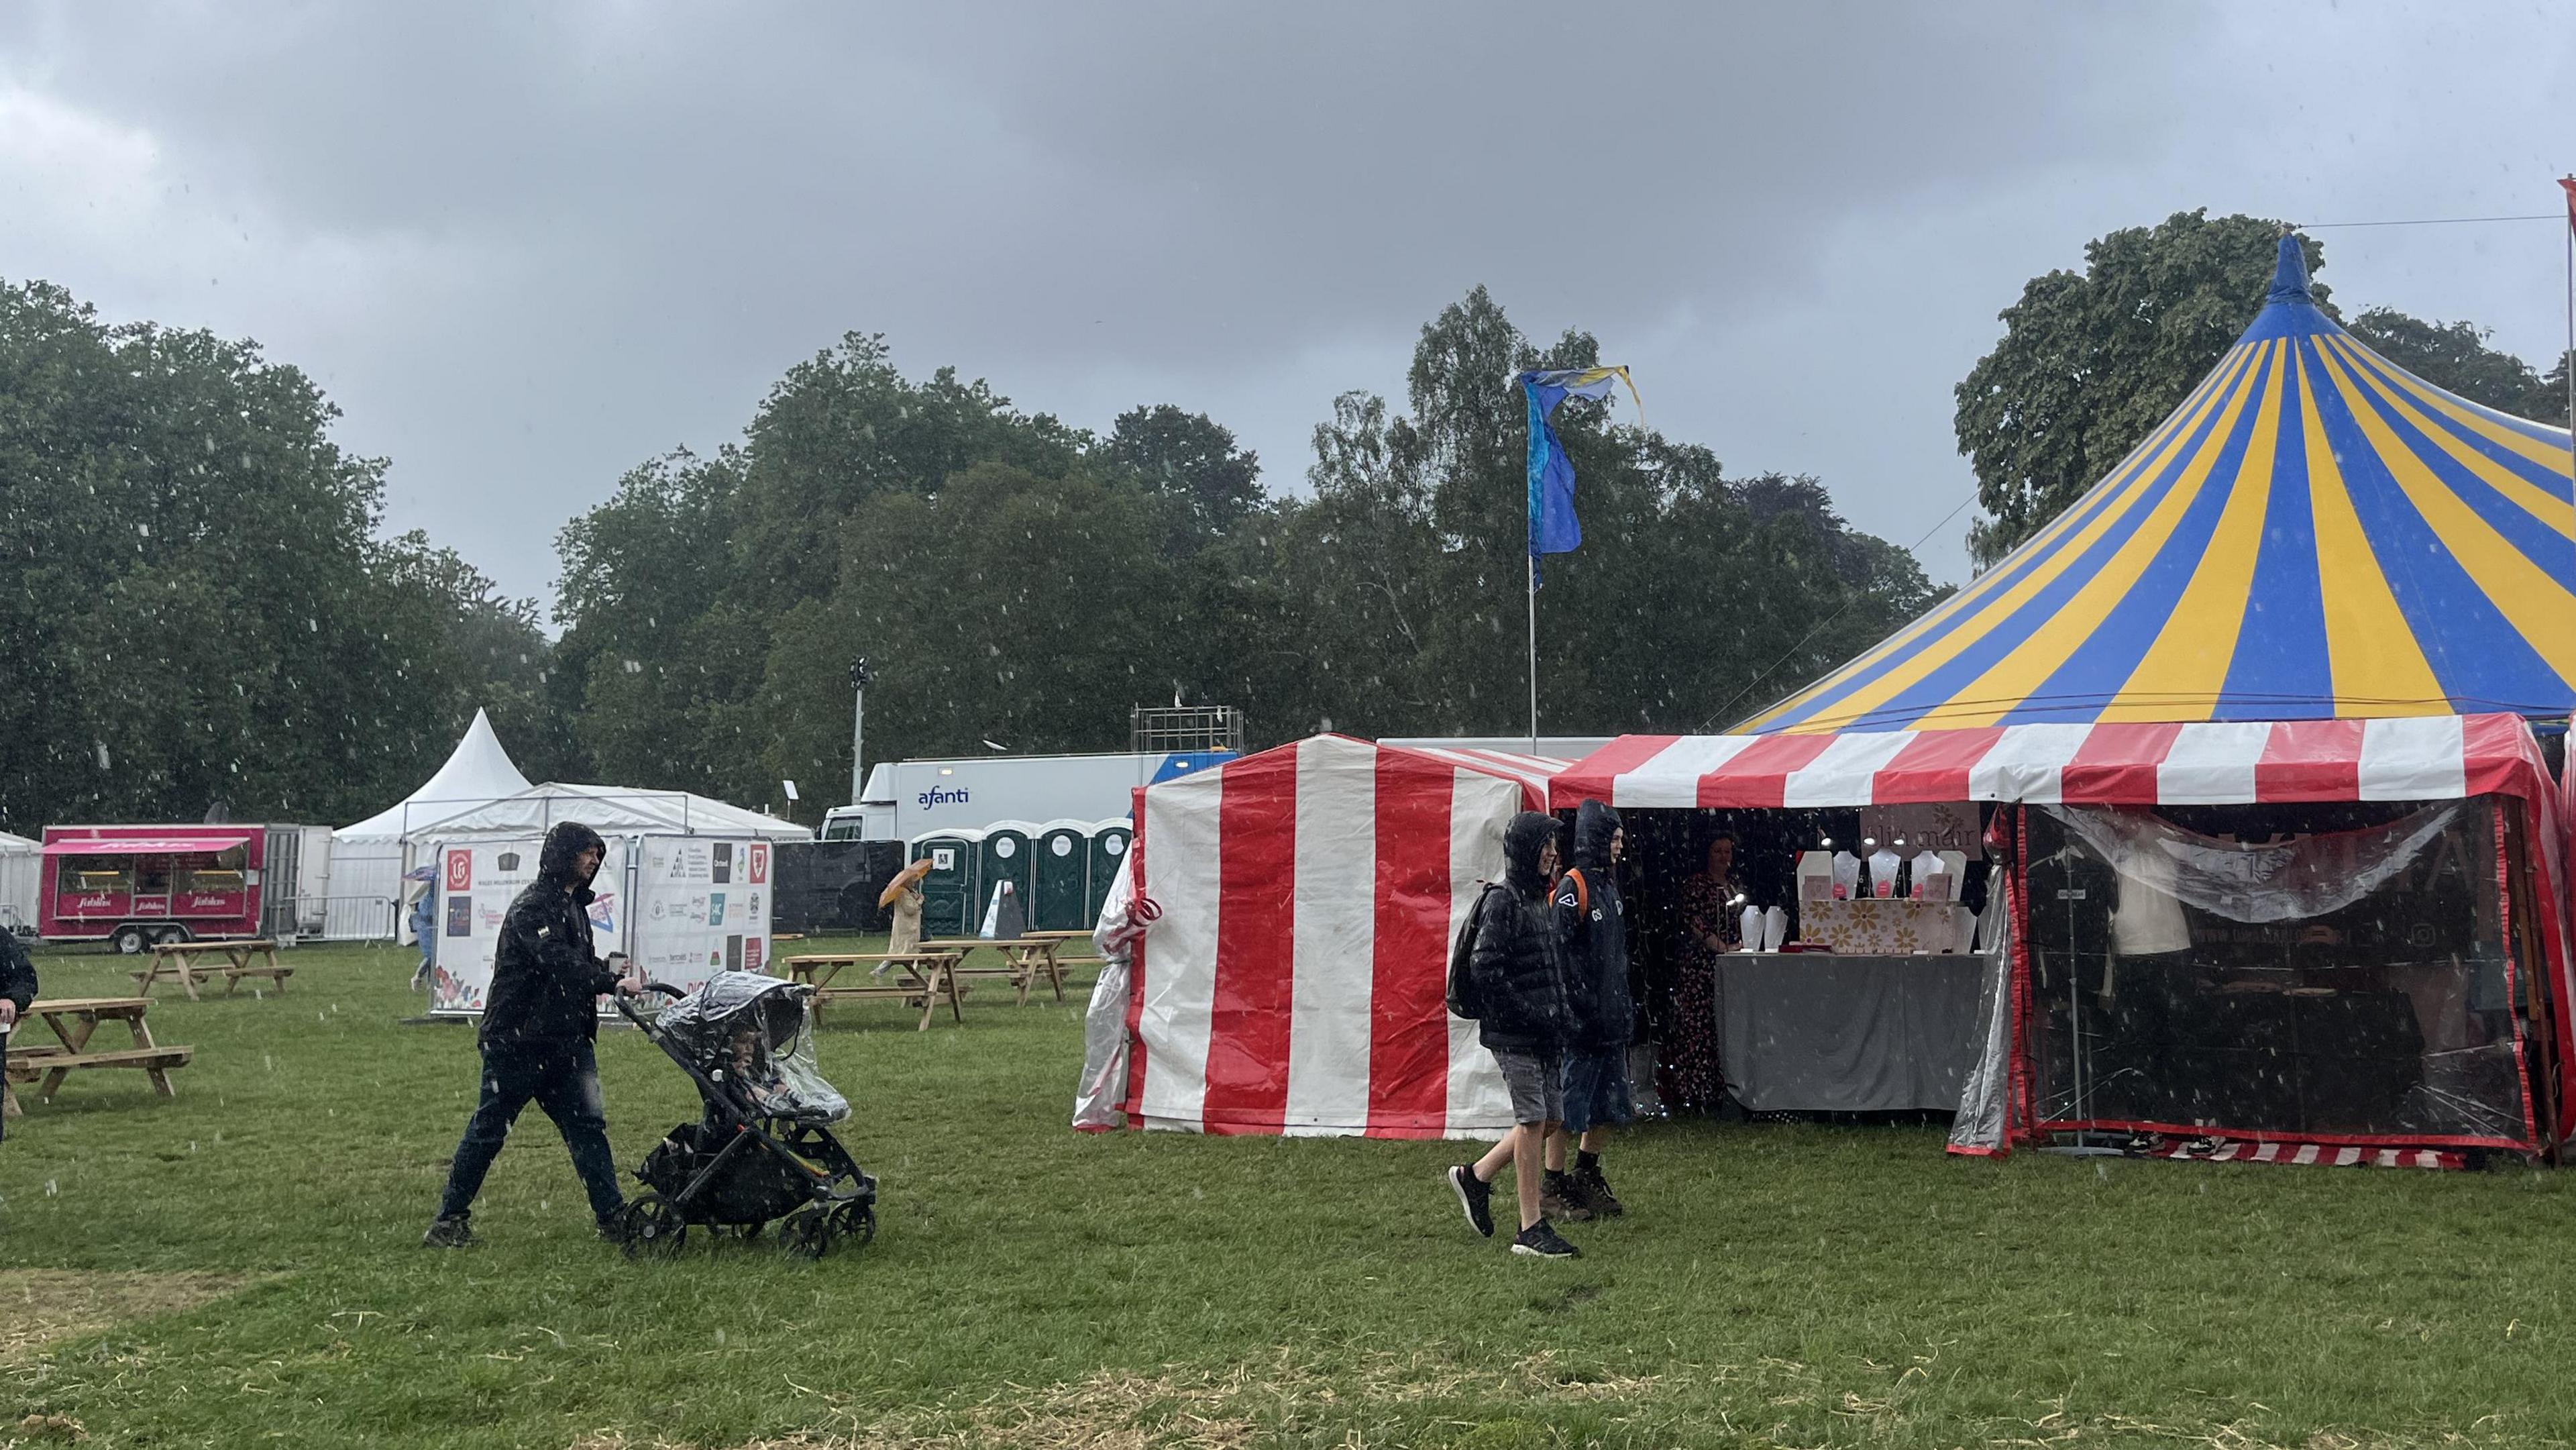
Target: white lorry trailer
pixel 904 798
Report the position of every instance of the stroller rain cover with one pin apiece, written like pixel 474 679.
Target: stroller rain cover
pixel 753 1031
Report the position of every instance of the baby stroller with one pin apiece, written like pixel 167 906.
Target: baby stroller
pixel 764 1150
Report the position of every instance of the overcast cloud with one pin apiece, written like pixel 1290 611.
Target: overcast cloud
pixel 524 249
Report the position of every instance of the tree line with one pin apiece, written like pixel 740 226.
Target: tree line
pixel 200 611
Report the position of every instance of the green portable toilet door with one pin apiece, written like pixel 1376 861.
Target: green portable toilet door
pixel 1003 856
pixel 1108 857
pixel 948 905
pixel 1063 870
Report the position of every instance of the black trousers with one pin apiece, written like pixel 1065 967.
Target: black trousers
pixel 562 1078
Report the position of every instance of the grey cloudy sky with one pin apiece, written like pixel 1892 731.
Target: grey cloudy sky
pixel 526 247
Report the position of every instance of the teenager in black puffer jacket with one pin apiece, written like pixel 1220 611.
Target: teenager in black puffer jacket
pixel 1525 1017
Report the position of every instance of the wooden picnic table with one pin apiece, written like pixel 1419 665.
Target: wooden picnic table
pixel 177 962
pixel 1064 939
pixel 926 975
pixel 1025 958
pixel 72 1020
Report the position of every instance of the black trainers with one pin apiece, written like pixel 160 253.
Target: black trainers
pixel 449 1233
pixel 612 1225
pixel 1541 1241
pixel 1596 1192
pixel 1476 1196
pixel 1560 1196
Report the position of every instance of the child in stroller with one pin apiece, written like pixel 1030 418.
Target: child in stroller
pixel 764 1148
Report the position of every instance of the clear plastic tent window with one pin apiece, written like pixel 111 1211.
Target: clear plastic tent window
pixel 754 1032
pixel 2338 983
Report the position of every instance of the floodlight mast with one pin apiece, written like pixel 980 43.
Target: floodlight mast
pixel 858 727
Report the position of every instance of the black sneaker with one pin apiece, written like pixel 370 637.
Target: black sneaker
pixel 1596 1192
pixel 1560 1196
pixel 1476 1196
pixel 612 1225
pixel 449 1233
pixel 1540 1241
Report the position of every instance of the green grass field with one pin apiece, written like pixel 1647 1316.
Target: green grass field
pixel 243 1268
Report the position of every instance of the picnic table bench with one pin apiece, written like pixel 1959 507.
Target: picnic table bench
pixel 1024 960
pixel 72 1020
pixel 926 976
pixel 177 962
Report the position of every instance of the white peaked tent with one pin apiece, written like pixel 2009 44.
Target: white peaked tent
pixel 369 858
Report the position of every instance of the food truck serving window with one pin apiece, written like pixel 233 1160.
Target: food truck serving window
pixel 95 873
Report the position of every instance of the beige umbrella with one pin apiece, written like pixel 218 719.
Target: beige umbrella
pixel 905 879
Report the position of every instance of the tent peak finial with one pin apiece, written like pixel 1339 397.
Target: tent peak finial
pixel 2290 274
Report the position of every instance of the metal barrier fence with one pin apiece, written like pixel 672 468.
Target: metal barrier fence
pixel 352 918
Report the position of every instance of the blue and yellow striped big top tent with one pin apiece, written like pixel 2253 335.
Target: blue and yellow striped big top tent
pixel 2313 534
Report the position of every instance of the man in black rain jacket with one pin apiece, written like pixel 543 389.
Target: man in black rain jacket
pixel 1592 925
pixel 17 989
pixel 538 1025
pixel 1525 1018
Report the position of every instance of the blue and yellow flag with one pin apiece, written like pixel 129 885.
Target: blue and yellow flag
pixel 1552 525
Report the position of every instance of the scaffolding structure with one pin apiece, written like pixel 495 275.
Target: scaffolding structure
pixel 1161 730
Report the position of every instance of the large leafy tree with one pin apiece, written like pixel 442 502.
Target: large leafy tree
pixel 195 610
pixel 1017 582
pixel 2456 356
pixel 2091 361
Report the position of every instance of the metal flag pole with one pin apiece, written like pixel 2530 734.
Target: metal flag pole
pixel 1532 565
pixel 2567 364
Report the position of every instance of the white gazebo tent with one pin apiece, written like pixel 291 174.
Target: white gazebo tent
pixel 610 810
pixel 368 859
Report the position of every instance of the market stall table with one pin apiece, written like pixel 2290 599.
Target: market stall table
pixel 177 962
pixel 1822 1032
pixel 925 976
pixel 72 1020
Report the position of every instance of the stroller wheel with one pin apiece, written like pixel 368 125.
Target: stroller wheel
pixel 806 1233
pixel 652 1228
pixel 856 1222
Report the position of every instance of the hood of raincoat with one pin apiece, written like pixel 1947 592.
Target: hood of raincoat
pixel 560 860
pixel 1594 824
pixel 1527 835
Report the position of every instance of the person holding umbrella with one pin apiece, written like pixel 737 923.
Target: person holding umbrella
pixel 903 896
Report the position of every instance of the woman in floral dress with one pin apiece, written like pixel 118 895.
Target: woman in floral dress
pixel 1711 927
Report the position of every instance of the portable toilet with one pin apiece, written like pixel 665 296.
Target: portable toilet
pixel 1108 857
pixel 949 905
pixel 1061 895
pixel 1006 854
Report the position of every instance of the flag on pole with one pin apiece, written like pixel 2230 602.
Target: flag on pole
pixel 1553 528
pixel 2568 185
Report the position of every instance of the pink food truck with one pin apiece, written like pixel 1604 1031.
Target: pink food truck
pixel 137 886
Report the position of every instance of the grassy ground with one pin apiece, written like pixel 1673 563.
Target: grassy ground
pixel 245 1269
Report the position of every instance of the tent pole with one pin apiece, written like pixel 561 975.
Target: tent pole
pixel 1532 565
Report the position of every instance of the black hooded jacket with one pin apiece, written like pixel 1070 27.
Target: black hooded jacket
pixel 545 979
pixel 17 984
pixel 1518 968
pixel 1592 924
pixel 17 973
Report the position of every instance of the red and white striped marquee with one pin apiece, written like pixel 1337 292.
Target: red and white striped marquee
pixel 1294 982
pixel 2436 757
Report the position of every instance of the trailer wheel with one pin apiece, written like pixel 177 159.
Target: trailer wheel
pixel 164 936
pixel 129 941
